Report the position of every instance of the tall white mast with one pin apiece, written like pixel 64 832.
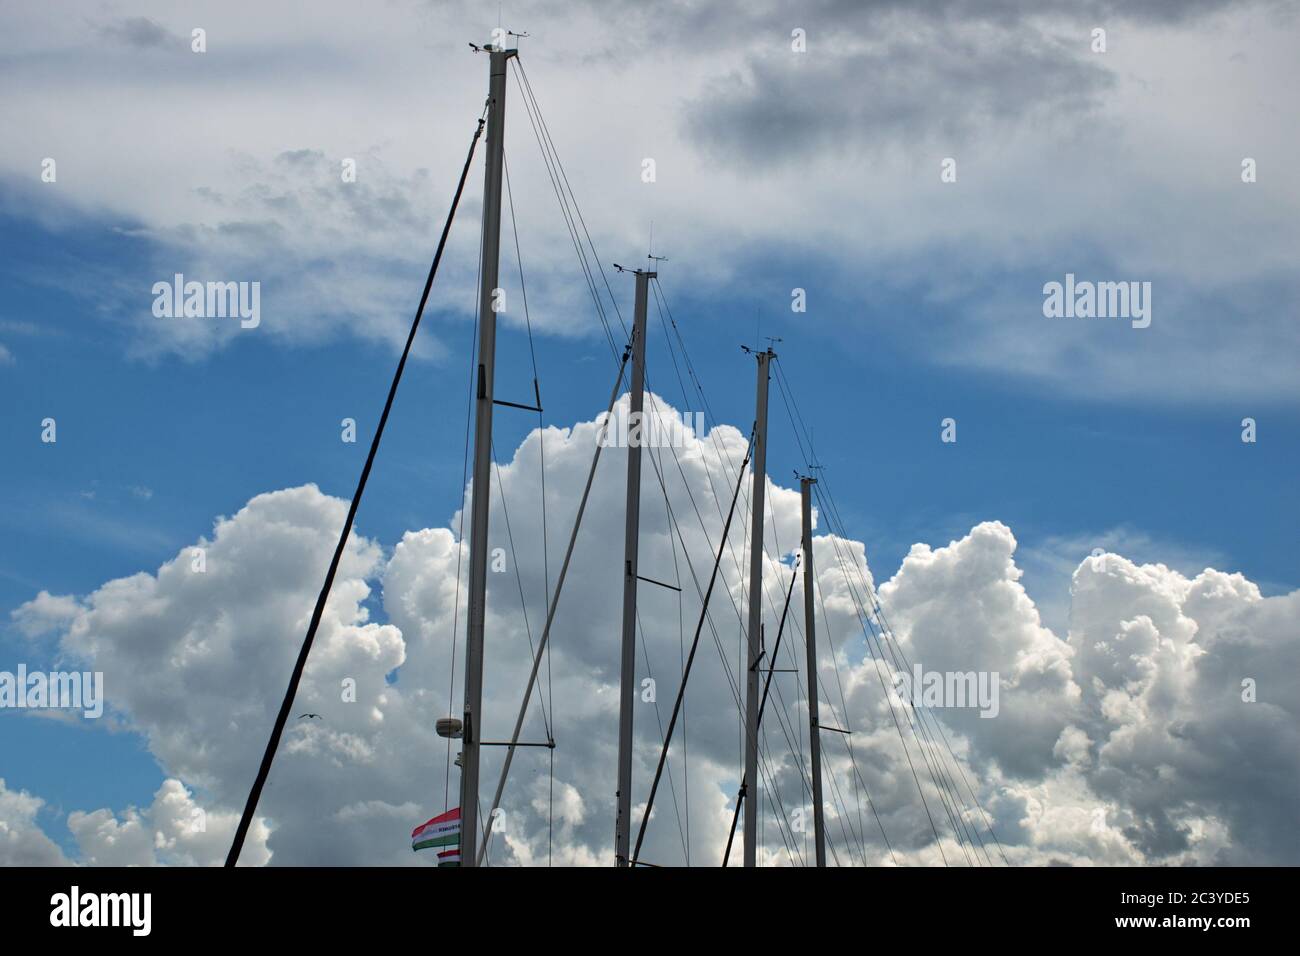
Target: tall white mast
pixel 757 498
pixel 632 529
pixel 472 727
pixel 814 719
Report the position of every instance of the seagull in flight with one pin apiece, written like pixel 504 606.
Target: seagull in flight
pixel 309 716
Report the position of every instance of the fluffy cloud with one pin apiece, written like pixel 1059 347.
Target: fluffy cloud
pixel 961 608
pixel 1167 666
pixel 45 613
pixel 22 841
pixel 1125 741
pixel 1135 738
pixel 219 617
pixel 173 831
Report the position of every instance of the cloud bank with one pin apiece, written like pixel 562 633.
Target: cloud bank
pixel 1161 728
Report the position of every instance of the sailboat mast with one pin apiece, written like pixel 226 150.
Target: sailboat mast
pixel 636 432
pixel 755 609
pixel 472 727
pixel 814 719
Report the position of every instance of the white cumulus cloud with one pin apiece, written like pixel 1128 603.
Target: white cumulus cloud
pixel 1128 739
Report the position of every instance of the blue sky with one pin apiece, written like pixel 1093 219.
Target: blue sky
pixel 1095 435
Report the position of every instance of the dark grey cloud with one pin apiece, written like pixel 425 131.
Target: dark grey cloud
pixel 928 84
pixel 724 27
pixel 888 71
pixel 142 33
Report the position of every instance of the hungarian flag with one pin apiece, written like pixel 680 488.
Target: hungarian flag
pixel 449 857
pixel 442 831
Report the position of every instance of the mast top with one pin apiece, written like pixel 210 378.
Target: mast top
pixel 489 48
pixel 638 272
pixel 769 351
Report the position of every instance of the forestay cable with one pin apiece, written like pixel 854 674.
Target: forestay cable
pixel 263 771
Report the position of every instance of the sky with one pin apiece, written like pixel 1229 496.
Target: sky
pixel 775 169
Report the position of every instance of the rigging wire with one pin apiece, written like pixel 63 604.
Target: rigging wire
pixel 268 757
pixel 864 623
pixel 671 523
pixel 944 779
pixel 666 323
pixel 767 686
pixel 887 628
pixel 695 642
pixel 554 603
pixel 925 739
pixel 735 608
pixel 570 209
pixel 840 562
pixel 541 453
pixel 519 578
pixel 726 663
pixel 835 659
pixel 661 303
pixel 681 654
pixel 672 786
pixel 765 771
pixel 519 66
pixel 848 741
pixel 568 205
pixel 733 686
pixel 731 679
pixel 906 664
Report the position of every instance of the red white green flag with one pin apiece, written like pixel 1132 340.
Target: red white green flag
pixel 442 831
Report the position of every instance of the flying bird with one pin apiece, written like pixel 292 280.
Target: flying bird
pixel 316 716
